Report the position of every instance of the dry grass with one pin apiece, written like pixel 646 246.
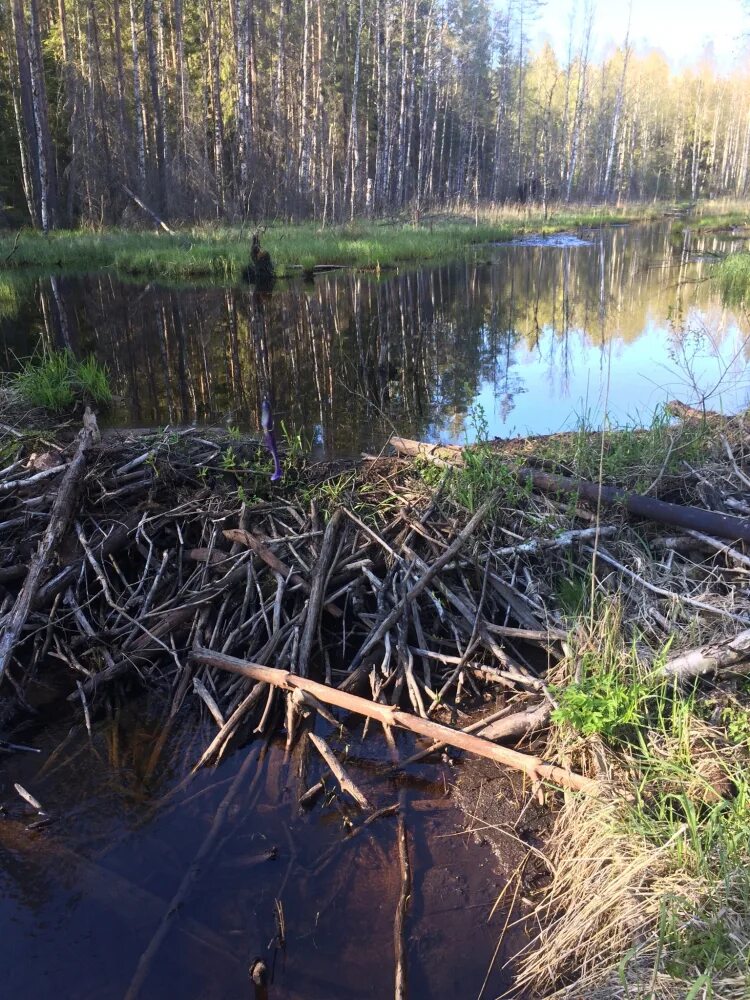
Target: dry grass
pixel 650 890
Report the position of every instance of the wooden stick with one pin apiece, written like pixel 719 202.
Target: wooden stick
pixel 62 510
pixel 317 591
pixel 390 620
pixel 400 918
pixel 346 783
pixel 701 605
pixel 388 715
pixel 270 559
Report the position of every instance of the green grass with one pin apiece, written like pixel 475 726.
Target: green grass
pixel 733 277
pixel 58 381
pixel 631 455
pixel 652 885
pixel 220 254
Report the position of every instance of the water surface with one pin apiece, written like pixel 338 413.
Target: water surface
pixel 514 339
pixel 82 896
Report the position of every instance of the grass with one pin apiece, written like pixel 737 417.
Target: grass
pixel 650 890
pixel 57 381
pixel 221 253
pixel 733 277
pixel 629 455
pixel 632 456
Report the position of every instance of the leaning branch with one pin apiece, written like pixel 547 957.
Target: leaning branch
pixel 62 511
pixel 388 715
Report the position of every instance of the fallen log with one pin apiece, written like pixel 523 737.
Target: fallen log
pixel 707 659
pixel 60 515
pixel 710 522
pixel 388 715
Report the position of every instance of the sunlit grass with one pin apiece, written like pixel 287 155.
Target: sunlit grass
pixel 650 892
pixel 222 253
pixel 733 277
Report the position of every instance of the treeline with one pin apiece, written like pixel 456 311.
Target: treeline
pixel 236 109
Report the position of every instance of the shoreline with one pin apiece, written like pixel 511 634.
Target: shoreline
pixel 222 253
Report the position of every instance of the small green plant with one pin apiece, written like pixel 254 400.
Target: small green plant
pixel 228 459
pixel 601 702
pixel 57 381
pixel 234 432
pixel 737 722
pixel 294 444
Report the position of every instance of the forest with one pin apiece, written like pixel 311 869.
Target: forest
pixel 336 109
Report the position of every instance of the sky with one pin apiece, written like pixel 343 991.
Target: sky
pixel 680 28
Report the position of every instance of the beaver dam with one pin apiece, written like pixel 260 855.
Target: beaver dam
pixel 237 726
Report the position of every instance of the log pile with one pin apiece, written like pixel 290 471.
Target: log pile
pixel 134 561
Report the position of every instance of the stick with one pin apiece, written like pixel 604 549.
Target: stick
pixel 390 620
pixel 347 785
pixel 62 510
pixel 607 558
pixel 261 549
pixel 317 592
pixel 403 902
pixel 388 715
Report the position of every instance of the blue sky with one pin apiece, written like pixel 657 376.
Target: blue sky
pixel 680 28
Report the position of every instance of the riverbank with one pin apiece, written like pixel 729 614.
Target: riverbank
pixel 598 651
pixel 222 254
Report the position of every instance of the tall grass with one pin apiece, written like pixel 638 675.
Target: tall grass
pixel 650 890
pixel 733 277
pixel 221 253
pixel 57 381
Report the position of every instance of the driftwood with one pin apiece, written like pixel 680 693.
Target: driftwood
pixel 399 923
pixel 388 715
pixel 707 659
pixel 346 783
pixel 60 517
pixel 696 518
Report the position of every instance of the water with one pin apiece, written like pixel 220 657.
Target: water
pixel 526 338
pixel 81 898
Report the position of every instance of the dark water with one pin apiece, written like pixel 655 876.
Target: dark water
pixel 525 338
pixel 81 898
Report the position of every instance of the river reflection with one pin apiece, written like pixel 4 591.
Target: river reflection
pixel 535 336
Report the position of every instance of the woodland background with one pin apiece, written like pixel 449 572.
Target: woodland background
pixel 335 109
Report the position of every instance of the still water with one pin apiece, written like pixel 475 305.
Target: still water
pixel 519 338
pixel 84 892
